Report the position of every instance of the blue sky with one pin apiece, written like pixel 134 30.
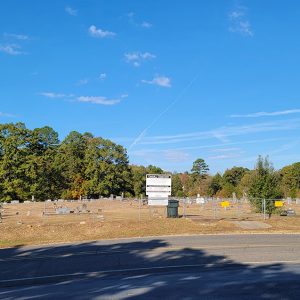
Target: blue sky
pixel 172 81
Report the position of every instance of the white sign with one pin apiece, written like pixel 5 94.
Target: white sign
pixel 158 185
pixel 158 188
pixel 158 201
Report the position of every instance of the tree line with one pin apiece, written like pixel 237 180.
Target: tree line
pixel 34 163
pixel 261 182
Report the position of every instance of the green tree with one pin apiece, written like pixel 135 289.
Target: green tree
pixel 215 185
pixel 200 168
pixel 234 175
pixel 107 170
pixel 138 180
pixel 245 183
pixel 139 177
pixel 290 180
pixel 227 190
pixel 41 176
pixel 13 150
pixel 177 187
pixel 154 170
pixel 264 185
pixel 70 162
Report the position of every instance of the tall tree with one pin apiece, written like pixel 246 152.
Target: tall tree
pixel 177 186
pixel 154 170
pixel 138 180
pixel 290 180
pixel 264 185
pixel 41 175
pixel 107 170
pixel 70 161
pixel 13 152
pixel 200 168
pixel 234 175
pixel 215 185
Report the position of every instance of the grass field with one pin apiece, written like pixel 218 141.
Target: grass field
pixel 25 224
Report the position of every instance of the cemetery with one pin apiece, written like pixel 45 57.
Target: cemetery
pixel 79 220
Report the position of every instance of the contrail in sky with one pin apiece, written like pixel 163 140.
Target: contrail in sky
pixel 142 134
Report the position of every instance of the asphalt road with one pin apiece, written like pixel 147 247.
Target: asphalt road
pixel 189 267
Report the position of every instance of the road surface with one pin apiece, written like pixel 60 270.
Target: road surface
pixel 184 267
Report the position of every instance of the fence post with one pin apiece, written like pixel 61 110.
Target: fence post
pixel 140 208
pixel 214 207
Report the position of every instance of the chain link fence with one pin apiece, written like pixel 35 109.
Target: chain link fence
pixel 235 208
pixel 126 210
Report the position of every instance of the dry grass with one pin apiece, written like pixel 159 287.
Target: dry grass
pixel 24 224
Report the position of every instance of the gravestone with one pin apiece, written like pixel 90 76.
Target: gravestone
pixel 62 211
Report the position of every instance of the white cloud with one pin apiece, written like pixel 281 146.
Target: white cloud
pixel 99 33
pixel 152 156
pixel 239 22
pixel 102 76
pixel 130 15
pixel 146 25
pixel 236 14
pixel 11 49
pixel 223 133
pixel 98 100
pixel 86 99
pixel 21 37
pixel 175 155
pixel 55 95
pixel 267 114
pixel 71 11
pixel 224 156
pixel 136 58
pixel 243 27
pixel 83 81
pixel 132 20
pixel 210 147
pixel 225 150
pixel 2 114
pixel 159 80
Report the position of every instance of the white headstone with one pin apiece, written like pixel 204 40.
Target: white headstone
pixel 200 200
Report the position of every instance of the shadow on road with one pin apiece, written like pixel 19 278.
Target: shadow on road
pixel 153 270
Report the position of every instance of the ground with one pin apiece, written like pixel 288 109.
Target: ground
pixel 25 224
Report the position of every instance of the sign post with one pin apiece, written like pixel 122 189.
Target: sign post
pixel 158 189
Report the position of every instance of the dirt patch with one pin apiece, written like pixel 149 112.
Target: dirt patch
pixel 251 224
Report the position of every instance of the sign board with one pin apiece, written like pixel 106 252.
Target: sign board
pixel 225 203
pixel 278 203
pixel 158 185
pixel 158 201
pixel 158 188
